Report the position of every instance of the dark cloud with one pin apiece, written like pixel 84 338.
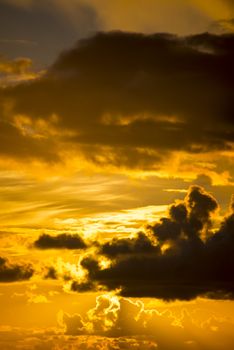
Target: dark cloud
pixel 141 244
pixel 190 259
pixel 217 44
pixel 17 145
pixel 10 272
pixel 51 273
pixel 82 287
pixel 62 241
pixel 130 97
pixel 192 218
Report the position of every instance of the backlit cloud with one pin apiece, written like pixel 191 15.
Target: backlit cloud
pixel 10 272
pixel 62 241
pixel 131 326
pixel 181 257
pixel 116 171
pixel 129 100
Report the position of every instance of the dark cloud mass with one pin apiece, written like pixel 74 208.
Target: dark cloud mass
pixel 10 272
pixel 126 93
pixel 180 257
pixel 16 145
pixel 62 241
pixel 140 244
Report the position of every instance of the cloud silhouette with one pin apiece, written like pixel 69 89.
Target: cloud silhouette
pixel 180 257
pixel 10 272
pixel 135 97
pixel 62 241
pixel 141 244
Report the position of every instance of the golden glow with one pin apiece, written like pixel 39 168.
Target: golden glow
pixel 216 9
pixel 83 161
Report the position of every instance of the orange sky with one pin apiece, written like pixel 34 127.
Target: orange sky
pixel 116 174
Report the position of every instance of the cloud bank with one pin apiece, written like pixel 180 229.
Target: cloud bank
pixel 127 99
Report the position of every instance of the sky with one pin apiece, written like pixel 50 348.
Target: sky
pixel 116 174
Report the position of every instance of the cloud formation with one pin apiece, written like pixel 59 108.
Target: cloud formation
pixel 17 66
pixel 140 244
pixel 129 99
pixel 132 326
pixel 114 317
pixel 180 257
pixel 10 272
pixel 62 241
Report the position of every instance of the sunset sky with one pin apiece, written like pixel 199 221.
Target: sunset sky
pixel 116 174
